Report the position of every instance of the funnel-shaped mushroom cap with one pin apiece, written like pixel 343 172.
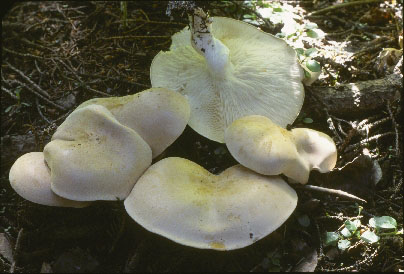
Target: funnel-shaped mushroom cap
pixel 244 71
pixel 158 115
pixel 182 201
pixel 261 145
pixel 94 157
pixel 30 178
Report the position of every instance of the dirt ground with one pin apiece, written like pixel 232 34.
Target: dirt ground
pixel 56 55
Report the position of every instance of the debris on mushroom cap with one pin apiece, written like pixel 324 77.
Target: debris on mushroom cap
pixel 30 178
pixel 237 71
pixel 94 157
pixel 184 202
pixel 158 115
pixel 261 145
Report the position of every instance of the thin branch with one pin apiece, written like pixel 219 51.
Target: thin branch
pixel 333 192
pixel 38 88
pixel 9 92
pixel 343 5
pixel 37 94
pixel 137 37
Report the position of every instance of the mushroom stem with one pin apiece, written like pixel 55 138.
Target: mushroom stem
pixel 215 52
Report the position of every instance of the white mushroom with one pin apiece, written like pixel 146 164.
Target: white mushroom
pixel 182 201
pixel 30 178
pixel 158 115
pixel 94 157
pixel 229 69
pixel 261 145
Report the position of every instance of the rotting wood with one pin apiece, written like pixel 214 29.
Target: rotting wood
pixel 353 99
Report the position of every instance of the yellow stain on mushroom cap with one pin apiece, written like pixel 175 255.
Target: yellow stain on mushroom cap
pixel 184 202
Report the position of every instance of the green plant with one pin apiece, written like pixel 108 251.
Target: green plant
pixel 353 231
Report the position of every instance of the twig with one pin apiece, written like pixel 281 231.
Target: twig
pixel 38 88
pixel 16 250
pixel 9 92
pixel 25 54
pixel 343 5
pixel 395 128
pixel 37 94
pixel 81 82
pixel 40 112
pixel 373 138
pixel 152 22
pixel 137 37
pixel 333 191
pixel 331 126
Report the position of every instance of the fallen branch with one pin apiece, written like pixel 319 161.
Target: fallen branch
pixel 356 98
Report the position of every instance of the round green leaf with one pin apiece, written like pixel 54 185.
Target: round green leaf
pixel 385 222
pixel 313 65
pixel 311 26
pixel 343 244
pixel 315 33
pixel 369 237
pixel 300 51
pixel 331 238
pixel 310 51
pixel 346 233
pixel 307 120
pixel 351 226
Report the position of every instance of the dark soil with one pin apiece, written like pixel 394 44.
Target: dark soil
pixel 75 51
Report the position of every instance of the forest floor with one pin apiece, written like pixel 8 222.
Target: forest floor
pixel 56 55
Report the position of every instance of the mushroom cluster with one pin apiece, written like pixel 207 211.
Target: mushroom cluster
pixel 231 83
pixel 101 149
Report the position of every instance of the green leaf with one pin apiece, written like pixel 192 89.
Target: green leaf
pixel 315 33
pixel 313 65
pixel 369 237
pixel 331 238
pixel 311 26
pixel 310 51
pixel 277 9
pixel 8 108
pixel 307 120
pixel 346 233
pixel 307 74
pixel 300 51
pixel 344 244
pixel 385 222
pixel 351 226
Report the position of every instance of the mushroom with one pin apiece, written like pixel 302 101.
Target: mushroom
pixel 158 115
pixel 94 157
pixel 261 145
pixel 30 178
pixel 229 69
pixel 182 201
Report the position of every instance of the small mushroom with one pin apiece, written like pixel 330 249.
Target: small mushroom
pixel 94 157
pixel 261 145
pixel 158 115
pixel 30 178
pixel 229 69
pixel 182 201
